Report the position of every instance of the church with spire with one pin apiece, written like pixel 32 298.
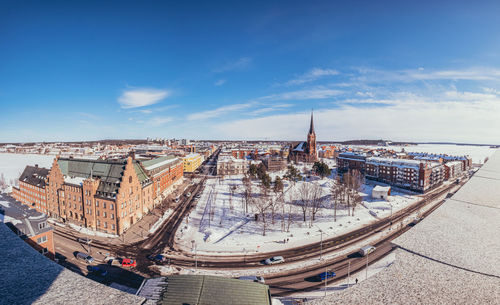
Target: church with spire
pixel 305 151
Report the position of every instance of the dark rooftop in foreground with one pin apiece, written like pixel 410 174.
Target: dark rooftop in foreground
pixel 204 290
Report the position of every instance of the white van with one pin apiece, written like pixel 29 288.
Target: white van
pixel 366 250
pixel 85 257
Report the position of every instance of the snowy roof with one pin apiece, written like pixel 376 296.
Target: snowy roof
pixel 379 188
pixel 300 146
pixel 450 257
pixel 53 284
pixel 74 180
pixel 157 162
pixel 394 162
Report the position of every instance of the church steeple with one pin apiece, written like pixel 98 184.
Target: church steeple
pixel 311 128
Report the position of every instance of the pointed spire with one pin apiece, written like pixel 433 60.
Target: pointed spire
pixel 311 128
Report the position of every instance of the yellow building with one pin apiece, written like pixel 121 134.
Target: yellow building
pixel 192 162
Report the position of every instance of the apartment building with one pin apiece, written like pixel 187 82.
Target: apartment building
pixel 32 188
pixel 410 174
pixel 192 162
pixel 164 172
pixel 453 169
pixel 350 161
pixel 275 163
pixel 229 165
pixel 108 196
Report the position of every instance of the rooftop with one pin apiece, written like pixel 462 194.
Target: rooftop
pixel 34 175
pixel 450 257
pixel 27 222
pixel 204 289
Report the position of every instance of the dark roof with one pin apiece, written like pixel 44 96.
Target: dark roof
pixel 204 290
pixel 110 172
pixel 311 128
pixel 34 175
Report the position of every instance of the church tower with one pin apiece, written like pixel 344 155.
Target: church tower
pixel 311 142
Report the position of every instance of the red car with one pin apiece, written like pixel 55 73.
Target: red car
pixel 127 262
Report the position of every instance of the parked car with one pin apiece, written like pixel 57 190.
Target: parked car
pixel 326 275
pixel 253 278
pixel 366 250
pixel 60 257
pixel 274 260
pixel 85 257
pixel 97 270
pixel 127 262
pixel 115 262
pixel 188 194
pixel 158 259
pixel 176 199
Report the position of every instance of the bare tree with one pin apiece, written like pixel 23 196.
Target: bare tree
pixel 335 191
pixel 316 200
pixel 305 191
pixel 247 192
pixel 261 205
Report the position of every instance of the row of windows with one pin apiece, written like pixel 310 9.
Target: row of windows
pixel 41 239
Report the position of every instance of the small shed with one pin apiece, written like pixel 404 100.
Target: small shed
pixel 381 192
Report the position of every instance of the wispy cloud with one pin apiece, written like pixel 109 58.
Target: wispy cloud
pixel 142 97
pixel 88 115
pixel 220 82
pixel 241 63
pixel 312 75
pixel 158 121
pixel 308 94
pixel 421 74
pixel 146 111
pixel 209 114
pixel 449 116
pixel 270 109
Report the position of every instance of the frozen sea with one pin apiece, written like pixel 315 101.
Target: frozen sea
pixel 12 165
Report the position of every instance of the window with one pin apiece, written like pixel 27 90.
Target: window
pixel 104 205
pixel 112 226
pixel 42 225
pixel 42 239
pixel 96 203
pixel 112 216
pixel 111 206
pixel 105 224
pixel 97 212
pixel 44 251
pixel 103 214
pixel 98 222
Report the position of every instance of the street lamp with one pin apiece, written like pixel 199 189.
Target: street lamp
pixel 367 264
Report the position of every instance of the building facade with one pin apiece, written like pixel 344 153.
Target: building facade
pixel 164 172
pixel 227 166
pixel 108 196
pixel 275 163
pixel 192 162
pixel 32 188
pixel 351 161
pixel 409 174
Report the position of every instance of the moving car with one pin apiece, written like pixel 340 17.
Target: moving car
pixel 97 270
pixel 326 275
pixel 158 259
pixel 127 262
pixel 85 257
pixel 274 260
pixel 253 278
pixel 84 240
pixel 366 250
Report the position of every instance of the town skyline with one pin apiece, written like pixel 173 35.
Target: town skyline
pixel 249 72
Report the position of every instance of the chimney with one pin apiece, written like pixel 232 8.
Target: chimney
pixel 36 165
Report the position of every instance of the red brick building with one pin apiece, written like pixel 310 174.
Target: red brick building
pixel 305 151
pixel 108 196
pixel 32 188
pixel 164 172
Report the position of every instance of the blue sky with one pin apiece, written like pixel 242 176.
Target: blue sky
pixel 84 70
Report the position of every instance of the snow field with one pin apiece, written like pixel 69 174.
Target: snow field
pixel 220 224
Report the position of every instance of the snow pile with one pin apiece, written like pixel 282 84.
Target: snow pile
pixel 160 221
pixel 91 232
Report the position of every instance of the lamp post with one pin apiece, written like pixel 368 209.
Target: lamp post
pixel 367 265
pixel 326 279
pixel 348 274
pixel 321 246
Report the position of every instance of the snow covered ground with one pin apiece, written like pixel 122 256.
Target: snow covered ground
pixel 219 224
pixel 12 165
